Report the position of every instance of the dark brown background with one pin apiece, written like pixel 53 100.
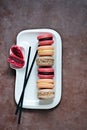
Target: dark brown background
pixel 69 18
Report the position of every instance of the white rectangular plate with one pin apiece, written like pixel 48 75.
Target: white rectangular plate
pixel 28 38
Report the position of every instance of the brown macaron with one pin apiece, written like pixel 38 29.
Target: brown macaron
pixel 46 93
pixel 45 61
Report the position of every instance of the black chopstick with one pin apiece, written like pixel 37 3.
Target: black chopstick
pixel 22 95
pixel 27 65
pixel 20 112
pixel 31 67
pixel 25 86
pixel 25 83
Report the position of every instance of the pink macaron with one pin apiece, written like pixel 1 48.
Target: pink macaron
pixel 45 39
pixel 16 57
pixel 45 73
pixel 16 50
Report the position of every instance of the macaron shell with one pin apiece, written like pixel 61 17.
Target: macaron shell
pixel 45 52
pixel 45 80
pixel 45 76
pixel 46 48
pixel 46 93
pixel 44 35
pixel 45 85
pixel 47 42
pixel 43 69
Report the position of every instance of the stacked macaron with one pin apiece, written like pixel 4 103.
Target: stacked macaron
pixel 45 61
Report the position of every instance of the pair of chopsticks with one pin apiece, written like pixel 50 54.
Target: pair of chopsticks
pixel 26 78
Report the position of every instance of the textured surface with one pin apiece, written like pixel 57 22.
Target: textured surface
pixel 69 18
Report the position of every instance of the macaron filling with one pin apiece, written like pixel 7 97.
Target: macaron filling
pixel 44 39
pixel 46 73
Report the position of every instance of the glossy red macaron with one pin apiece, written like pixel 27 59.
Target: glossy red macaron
pixel 45 39
pixel 16 57
pixel 17 62
pixel 45 73
pixel 16 50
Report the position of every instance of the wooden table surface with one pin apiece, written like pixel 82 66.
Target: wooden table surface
pixel 69 18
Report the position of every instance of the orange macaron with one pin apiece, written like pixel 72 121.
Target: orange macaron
pixel 45 83
pixel 46 50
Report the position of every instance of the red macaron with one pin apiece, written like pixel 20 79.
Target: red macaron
pixel 45 73
pixel 45 39
pixel 16 50
pixel 16 57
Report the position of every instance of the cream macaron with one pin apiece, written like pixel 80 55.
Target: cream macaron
pixel 45 50
pixel 46 93
pixel 45 83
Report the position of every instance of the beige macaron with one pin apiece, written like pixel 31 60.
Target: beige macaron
pixel 46 93
pixel 45 61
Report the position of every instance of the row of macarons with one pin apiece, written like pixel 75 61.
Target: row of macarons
pixel 45 61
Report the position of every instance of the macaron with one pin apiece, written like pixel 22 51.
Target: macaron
pixel 45 39
pixel 46 93
pixel 45 50
pixel 16 57
pixel 45 73
pixel 45 61
pixel 45 83
pixel 15 61
pixel 17 50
